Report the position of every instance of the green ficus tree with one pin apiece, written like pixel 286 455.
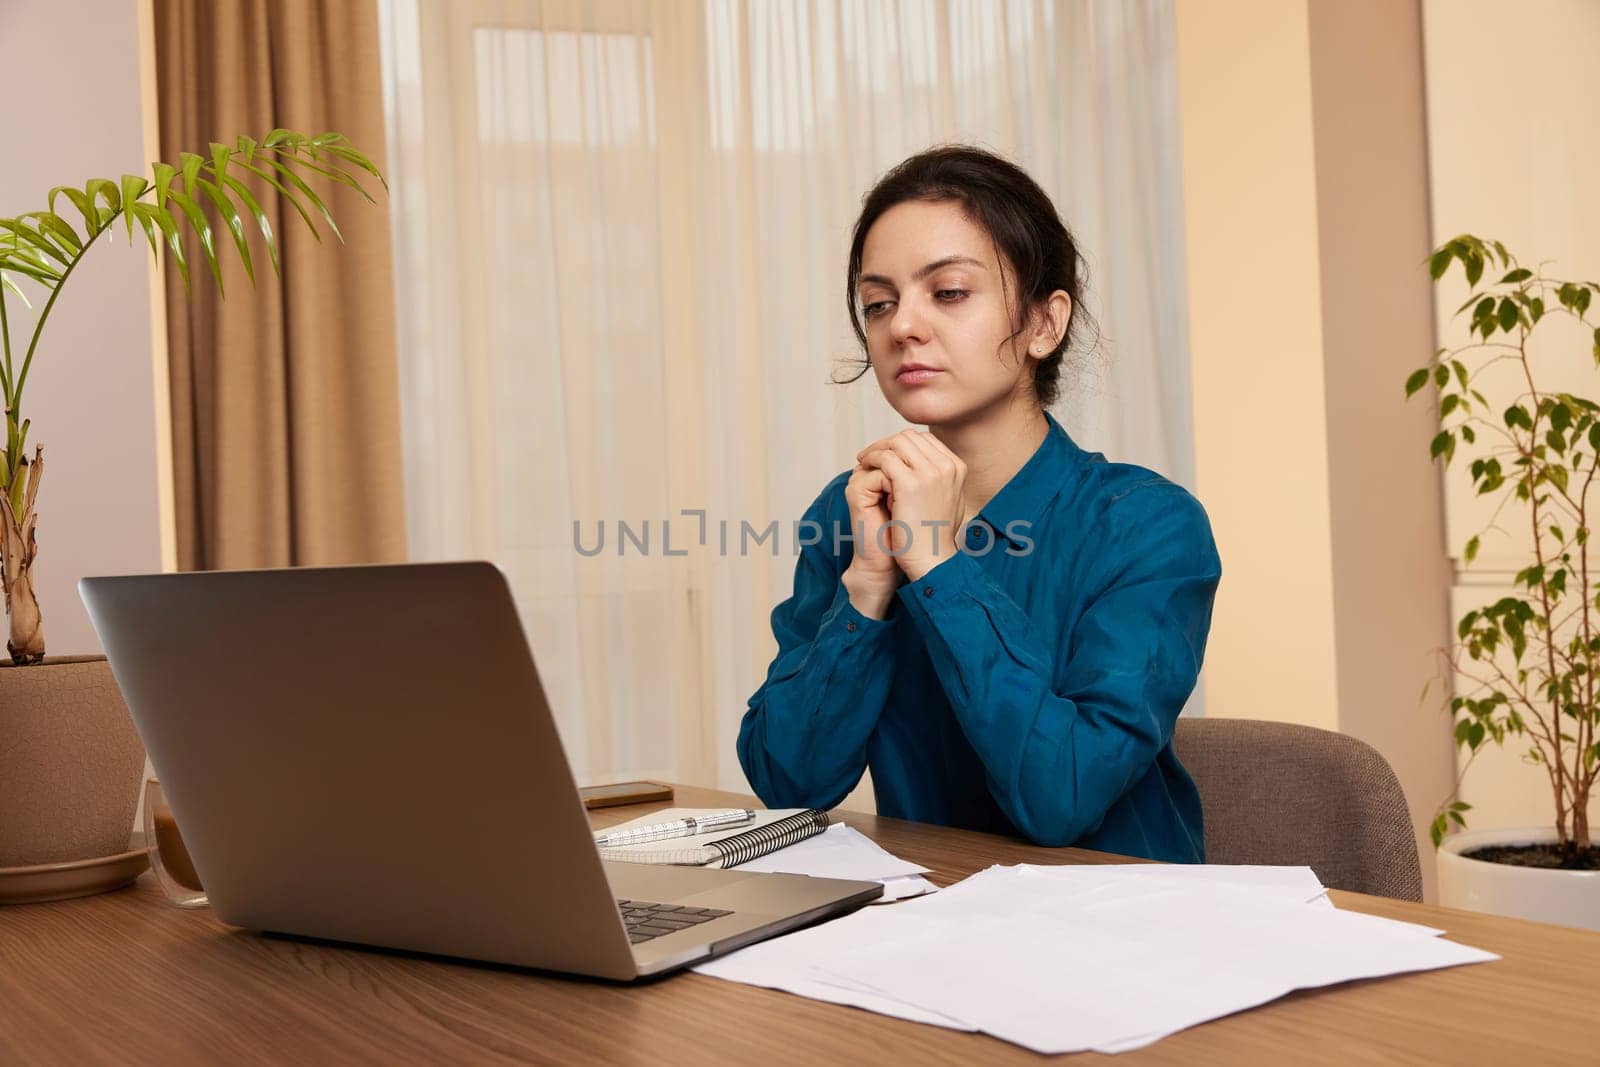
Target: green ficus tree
pixel 199 197
pixel 1522 669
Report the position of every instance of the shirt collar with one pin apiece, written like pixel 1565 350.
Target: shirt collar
pixel 1023 499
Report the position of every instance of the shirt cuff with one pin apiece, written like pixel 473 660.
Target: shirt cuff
pixel 844 620
pixel 952 578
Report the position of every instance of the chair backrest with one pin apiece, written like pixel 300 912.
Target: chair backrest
pixel 1279 793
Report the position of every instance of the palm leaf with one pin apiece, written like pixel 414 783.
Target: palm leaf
pixel 334 173
pixel 258 213
pixel 42 235
pixel 350 155
pixel 64 234
pixel 220 154
pixel 104 189
pixel 143 213
pixel 163 173
pixel 25 259
pixel 6 282
pixel 38 242
pixel 133 188
pixel 230 215
pixel 81 201
pixel 266 176
pixel 306 191
pixel 169 229
pixel 202 228
pixel 191 170
pixel 45 246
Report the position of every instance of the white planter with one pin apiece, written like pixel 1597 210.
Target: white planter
pixel 1569 898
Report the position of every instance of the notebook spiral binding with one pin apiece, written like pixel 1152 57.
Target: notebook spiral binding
pixel 762 840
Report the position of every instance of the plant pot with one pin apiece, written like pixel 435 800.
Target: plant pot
pixel 1570 898
pixel 71 763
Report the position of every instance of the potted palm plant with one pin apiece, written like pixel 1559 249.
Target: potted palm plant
pixel 70 760
pixel 1523 668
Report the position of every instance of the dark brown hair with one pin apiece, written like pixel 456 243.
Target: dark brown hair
pixel 1027 233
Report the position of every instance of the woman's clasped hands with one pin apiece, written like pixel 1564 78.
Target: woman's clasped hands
pixel 905 512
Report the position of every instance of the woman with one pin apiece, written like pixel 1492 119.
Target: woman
pixel 1025 674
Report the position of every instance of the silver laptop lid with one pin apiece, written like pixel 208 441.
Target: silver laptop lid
pixel 364 754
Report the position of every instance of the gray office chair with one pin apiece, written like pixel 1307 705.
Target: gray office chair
pixel 1278 793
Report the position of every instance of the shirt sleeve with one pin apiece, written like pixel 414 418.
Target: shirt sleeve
pixel 1059 751
pixel 803 740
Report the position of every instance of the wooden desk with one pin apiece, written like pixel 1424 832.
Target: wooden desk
pixel 125 977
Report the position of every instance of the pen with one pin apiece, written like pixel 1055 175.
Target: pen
pixel 659 831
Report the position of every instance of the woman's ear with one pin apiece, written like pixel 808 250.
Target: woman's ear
pixel 1050 324
pixel 1057 314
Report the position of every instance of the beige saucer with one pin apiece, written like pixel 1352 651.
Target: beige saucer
pixel 79 878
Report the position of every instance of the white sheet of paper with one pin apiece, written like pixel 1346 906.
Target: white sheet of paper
pixel 786 962
pixel 1295 884
pixel 913 885
pixel 1116 970
pixel 1108 958
pixel 1298 878
pixel 838 852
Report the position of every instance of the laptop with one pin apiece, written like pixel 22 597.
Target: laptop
pixel 366 755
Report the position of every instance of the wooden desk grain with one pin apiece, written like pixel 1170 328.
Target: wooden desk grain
pixel 125 977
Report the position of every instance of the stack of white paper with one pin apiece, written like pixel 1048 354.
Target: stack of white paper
pixel 1063 959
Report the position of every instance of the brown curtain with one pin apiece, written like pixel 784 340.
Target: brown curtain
pixel 285 402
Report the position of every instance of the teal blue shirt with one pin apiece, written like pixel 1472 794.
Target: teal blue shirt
pixel 1028 684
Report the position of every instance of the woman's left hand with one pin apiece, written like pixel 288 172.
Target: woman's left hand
pixel 925 481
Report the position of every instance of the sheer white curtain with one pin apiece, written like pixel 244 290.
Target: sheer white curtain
pixel 621 231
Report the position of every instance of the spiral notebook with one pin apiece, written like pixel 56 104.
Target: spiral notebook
pixel 773 830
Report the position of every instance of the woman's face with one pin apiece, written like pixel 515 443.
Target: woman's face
pixel 951 320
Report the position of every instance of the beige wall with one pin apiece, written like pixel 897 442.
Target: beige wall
pixel 1261 443
pixel 1391 576
pixel 1305 193
pixel 73 112
pixel 1529 79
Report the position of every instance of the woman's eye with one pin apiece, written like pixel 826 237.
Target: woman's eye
pixel 949 296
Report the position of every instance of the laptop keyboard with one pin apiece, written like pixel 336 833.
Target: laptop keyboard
pixel 646 920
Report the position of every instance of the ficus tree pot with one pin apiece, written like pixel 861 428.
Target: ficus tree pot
pixel 1543 894
pixel 71 762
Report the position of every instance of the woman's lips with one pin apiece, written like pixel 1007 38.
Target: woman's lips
pixel 916 376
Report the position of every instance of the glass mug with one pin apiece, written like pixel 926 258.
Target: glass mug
pixel 168 856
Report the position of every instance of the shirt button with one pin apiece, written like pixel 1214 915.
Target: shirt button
pixel 850 627
pixel 927 590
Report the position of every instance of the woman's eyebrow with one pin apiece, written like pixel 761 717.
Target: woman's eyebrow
pixel 937 264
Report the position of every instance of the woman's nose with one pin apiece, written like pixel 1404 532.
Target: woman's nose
pixel 907 322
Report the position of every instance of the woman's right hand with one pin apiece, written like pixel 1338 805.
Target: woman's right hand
pixel 873 575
